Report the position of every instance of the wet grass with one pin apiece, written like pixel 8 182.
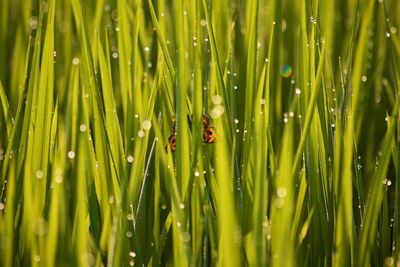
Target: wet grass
pixel 303 97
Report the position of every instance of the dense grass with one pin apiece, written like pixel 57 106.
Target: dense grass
pixel 304 99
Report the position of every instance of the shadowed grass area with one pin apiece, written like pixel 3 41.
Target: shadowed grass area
pixel 107 159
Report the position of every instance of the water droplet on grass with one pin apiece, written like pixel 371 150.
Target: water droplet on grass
pixel 71 154
pixel 82 128
pixel 146 125
pixel 33 22
pixel 87 259
pixel 140 133
pixel 279 203
pixel 286 71
pixel 39 174
pixel 39 226
pixel 216 99
pixel 186 237
pixel 132 254
pixel 58 179
pixel 281 192
pixel 217 111
pixel 37 258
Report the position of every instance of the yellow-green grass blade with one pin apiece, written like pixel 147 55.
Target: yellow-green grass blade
pixel 282 205
pixel 111 118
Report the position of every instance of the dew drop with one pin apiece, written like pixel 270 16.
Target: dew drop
pixel 389 261
pixel 377 98
pixel 146 125
pixel 37 258
pixel 130 158
pixel 216 99
pixel 33 22
pixel 75 61
pixel 286 71
pixel 132 254
pixel 279 203
pixel 217 111
pixel 185 237
pixel 39 174
pixel 82 128
pixel 71 154
pixel 141 133
pixel 39 226
pixel 87 259
pixel 281 192
pixel 58 179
